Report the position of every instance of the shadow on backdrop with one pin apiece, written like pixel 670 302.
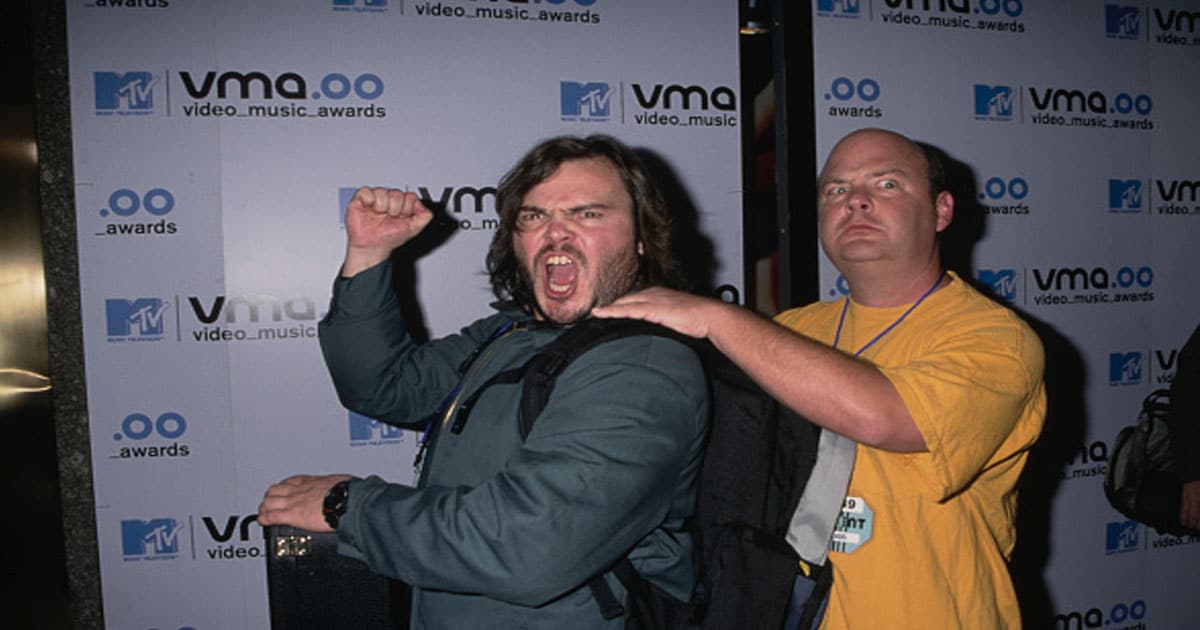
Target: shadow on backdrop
pixel 1062 436
pixel 404 266
pixel 695 250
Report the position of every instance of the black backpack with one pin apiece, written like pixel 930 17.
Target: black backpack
pixel 1141 481
pixel 757 461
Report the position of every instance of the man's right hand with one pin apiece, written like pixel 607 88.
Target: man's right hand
pixel 1189 508
pixel 682 312
pixel 378 220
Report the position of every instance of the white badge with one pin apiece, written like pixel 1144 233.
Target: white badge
pixel 853 526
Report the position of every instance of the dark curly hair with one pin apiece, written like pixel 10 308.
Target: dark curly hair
pixel 656 266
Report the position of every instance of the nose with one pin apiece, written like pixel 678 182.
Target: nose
pixel 858 200
pixel 559 226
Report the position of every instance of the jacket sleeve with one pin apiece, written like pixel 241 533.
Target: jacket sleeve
pixel 600 471
pixel 1183 422
pixel 376 368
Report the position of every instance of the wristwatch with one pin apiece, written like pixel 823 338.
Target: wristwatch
pixel 335 502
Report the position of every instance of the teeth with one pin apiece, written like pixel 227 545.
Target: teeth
pixel 558 288
pixel 558 260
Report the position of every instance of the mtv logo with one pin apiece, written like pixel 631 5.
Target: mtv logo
pixel 141 317
pixel 1124 368
pixel 125 92
pixel 344 196
pixel 1122 22
pixel 993 102
pixel 1003 282
pixel 363 428
pixel 845 8
pixel 586 100
pixel 1124 194
pixel 155 537
pixel 1121 537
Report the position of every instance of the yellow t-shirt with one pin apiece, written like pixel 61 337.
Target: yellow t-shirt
pixel 925 538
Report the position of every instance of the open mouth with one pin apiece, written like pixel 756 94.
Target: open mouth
pixel 561 274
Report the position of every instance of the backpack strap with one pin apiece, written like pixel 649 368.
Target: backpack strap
pixel 463 413
pixel 610 608
pixel 539 374
pixel 538 377
pixel 1157 403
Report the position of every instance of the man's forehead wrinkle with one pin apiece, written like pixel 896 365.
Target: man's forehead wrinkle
pixel 842 176
pixel 895 170
pixel 840 167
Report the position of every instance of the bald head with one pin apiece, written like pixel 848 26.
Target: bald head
pixel 924 156
pixel 879 215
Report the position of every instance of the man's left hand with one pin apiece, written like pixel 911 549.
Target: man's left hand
pixel 297 501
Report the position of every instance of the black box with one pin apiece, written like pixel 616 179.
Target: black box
pixel 312 587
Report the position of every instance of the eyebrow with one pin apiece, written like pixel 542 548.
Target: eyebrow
pixel 571 210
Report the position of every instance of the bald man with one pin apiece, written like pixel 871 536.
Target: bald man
pixel 940 387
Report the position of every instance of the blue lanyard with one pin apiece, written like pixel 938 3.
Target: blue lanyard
pixel 462 371
pixel 841 321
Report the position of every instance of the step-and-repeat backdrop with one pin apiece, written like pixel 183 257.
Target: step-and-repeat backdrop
pixel 1076 122
pixel 215 146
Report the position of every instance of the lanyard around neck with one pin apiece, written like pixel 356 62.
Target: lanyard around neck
pixel 462 373
pixel 842 320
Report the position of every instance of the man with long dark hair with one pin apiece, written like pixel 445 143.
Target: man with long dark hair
pixel 506 530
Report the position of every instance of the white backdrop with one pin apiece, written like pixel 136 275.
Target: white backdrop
pixel 1077 120
pixel 213 145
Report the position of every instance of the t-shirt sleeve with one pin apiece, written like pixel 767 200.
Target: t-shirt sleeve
pixel 971 396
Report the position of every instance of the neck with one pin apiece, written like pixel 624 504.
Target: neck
pixel 890 289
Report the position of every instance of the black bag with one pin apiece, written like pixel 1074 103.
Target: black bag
pixel 1141 481
pixel 312 587
pixel 757 462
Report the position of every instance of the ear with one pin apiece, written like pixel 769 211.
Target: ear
pixel 944 207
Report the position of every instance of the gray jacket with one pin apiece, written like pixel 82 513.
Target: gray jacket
pixel 505 533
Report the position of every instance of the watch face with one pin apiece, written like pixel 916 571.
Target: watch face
pixel 335 502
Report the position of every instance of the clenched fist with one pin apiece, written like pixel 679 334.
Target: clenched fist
pixel 378 220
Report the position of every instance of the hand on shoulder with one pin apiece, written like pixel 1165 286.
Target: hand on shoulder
pixel 682 312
